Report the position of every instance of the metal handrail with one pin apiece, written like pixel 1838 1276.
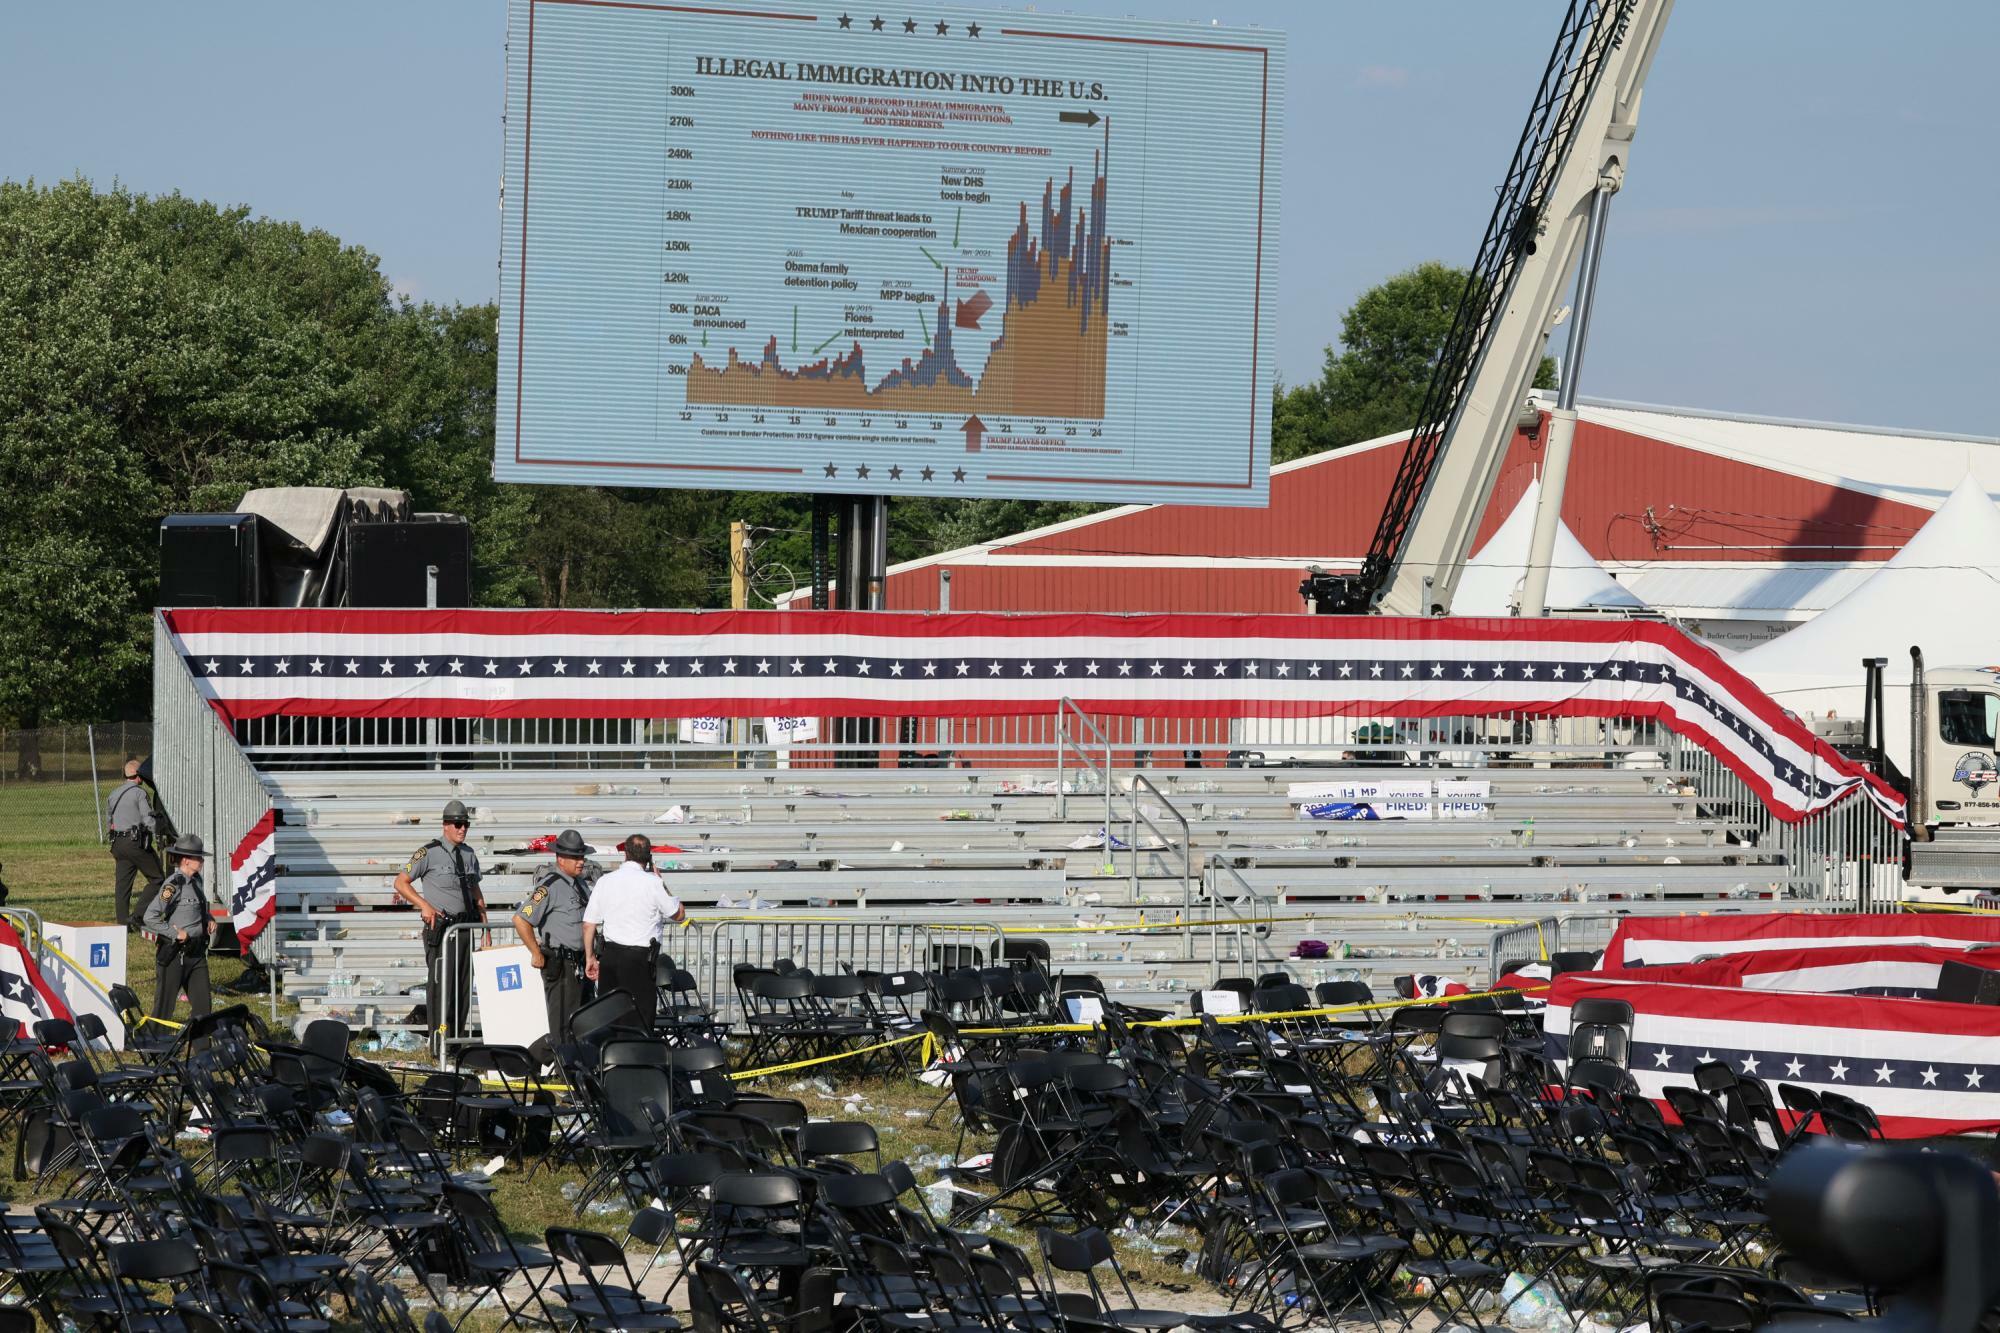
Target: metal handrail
pixel 1065 710
pixel 1246 930
pixel 1544 932
pixel 1141 782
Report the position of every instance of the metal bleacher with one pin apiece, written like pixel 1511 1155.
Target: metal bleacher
pixel 1216 863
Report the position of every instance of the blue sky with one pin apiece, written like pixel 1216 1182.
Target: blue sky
pixel 1810 226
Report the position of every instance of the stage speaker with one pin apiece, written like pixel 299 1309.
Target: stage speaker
pixel 209 560
pixel 386 561
pixel 1963 983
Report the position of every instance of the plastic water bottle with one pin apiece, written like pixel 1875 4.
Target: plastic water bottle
pixel 338 984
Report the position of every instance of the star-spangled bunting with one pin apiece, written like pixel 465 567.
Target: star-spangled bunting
pixel 1784 1001
pixel 253 876
pixel 847 664
pixel 26 997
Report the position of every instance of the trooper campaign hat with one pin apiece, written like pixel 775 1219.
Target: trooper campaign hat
pixel 570 843
pixel 189 845
pixel 456 813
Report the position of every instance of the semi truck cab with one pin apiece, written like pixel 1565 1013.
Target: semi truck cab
pixel 1955 802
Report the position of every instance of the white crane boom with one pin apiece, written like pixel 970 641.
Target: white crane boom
pixel 1589 107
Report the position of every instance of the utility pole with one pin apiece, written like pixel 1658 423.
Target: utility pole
pixel 739 566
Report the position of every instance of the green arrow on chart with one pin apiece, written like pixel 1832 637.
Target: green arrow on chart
pixel 924 326
pixel 960 217
pixel 928 255
pixel 823 346
pixel 704 337
pixel 795 328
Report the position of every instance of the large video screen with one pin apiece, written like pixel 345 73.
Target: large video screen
pixel 925 250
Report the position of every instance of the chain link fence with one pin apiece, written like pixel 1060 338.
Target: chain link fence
pixel 73 752
pixel 38 763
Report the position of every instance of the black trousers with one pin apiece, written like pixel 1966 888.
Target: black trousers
pixel 629 968
pixel 564 989
pixel 461 974
pixel 183 968
pixel 135 860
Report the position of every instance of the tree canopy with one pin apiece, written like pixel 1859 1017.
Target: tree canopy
pixel 1374 384
pixel 159 354
pixel 162 355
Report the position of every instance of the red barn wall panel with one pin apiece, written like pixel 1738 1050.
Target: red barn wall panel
pixel 1629 497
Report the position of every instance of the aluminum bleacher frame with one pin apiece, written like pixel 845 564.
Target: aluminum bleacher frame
pixel 1021 820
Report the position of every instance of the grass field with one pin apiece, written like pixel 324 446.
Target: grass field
pixel 53 863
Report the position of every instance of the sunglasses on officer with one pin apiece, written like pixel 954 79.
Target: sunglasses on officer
pixel 458 823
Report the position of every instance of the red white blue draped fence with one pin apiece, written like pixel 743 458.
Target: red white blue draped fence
pixel 1654 940
pixel 1796 999
pixel 605 664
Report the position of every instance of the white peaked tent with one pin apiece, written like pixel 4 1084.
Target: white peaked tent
pixel 1941 592
pixel 1491 584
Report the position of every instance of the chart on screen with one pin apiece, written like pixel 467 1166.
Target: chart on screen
pixel 948 252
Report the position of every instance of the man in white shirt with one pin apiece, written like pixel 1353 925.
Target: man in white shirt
pixel 629 912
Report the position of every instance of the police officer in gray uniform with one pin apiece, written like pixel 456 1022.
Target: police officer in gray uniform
pixel 550 923
pixel 179 921
pixel 442 882
pixel 134 826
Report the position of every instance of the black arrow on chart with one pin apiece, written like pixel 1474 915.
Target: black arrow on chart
pixel 1078 117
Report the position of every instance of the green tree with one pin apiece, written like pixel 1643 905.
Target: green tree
pixel 1374 383
pixel 156 354
pixel 160 355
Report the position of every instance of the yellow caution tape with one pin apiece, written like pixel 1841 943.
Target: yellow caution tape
pixel 742 1074
pixel 1920 908
pixel 1326 1012
pixel 737 1076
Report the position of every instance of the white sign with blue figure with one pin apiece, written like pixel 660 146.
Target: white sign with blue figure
pixel 508 992
pixel 88 962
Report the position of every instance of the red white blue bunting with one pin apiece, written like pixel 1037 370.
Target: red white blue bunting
pixel 253 881
pixel 257 663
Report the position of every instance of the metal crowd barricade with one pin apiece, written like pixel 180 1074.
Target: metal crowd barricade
pixel 27 923
pixel 1591 932
pixel 1586 931
pixel 449 1028
pixel 1532 940
pixel 824 944
pixel 23 916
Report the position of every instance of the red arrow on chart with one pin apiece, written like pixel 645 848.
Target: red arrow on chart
pixel 974 428
pixel 970 311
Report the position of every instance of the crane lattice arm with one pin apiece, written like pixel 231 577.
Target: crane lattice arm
pixel 1575 144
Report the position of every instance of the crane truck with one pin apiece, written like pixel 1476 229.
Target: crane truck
pixel 1954 809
